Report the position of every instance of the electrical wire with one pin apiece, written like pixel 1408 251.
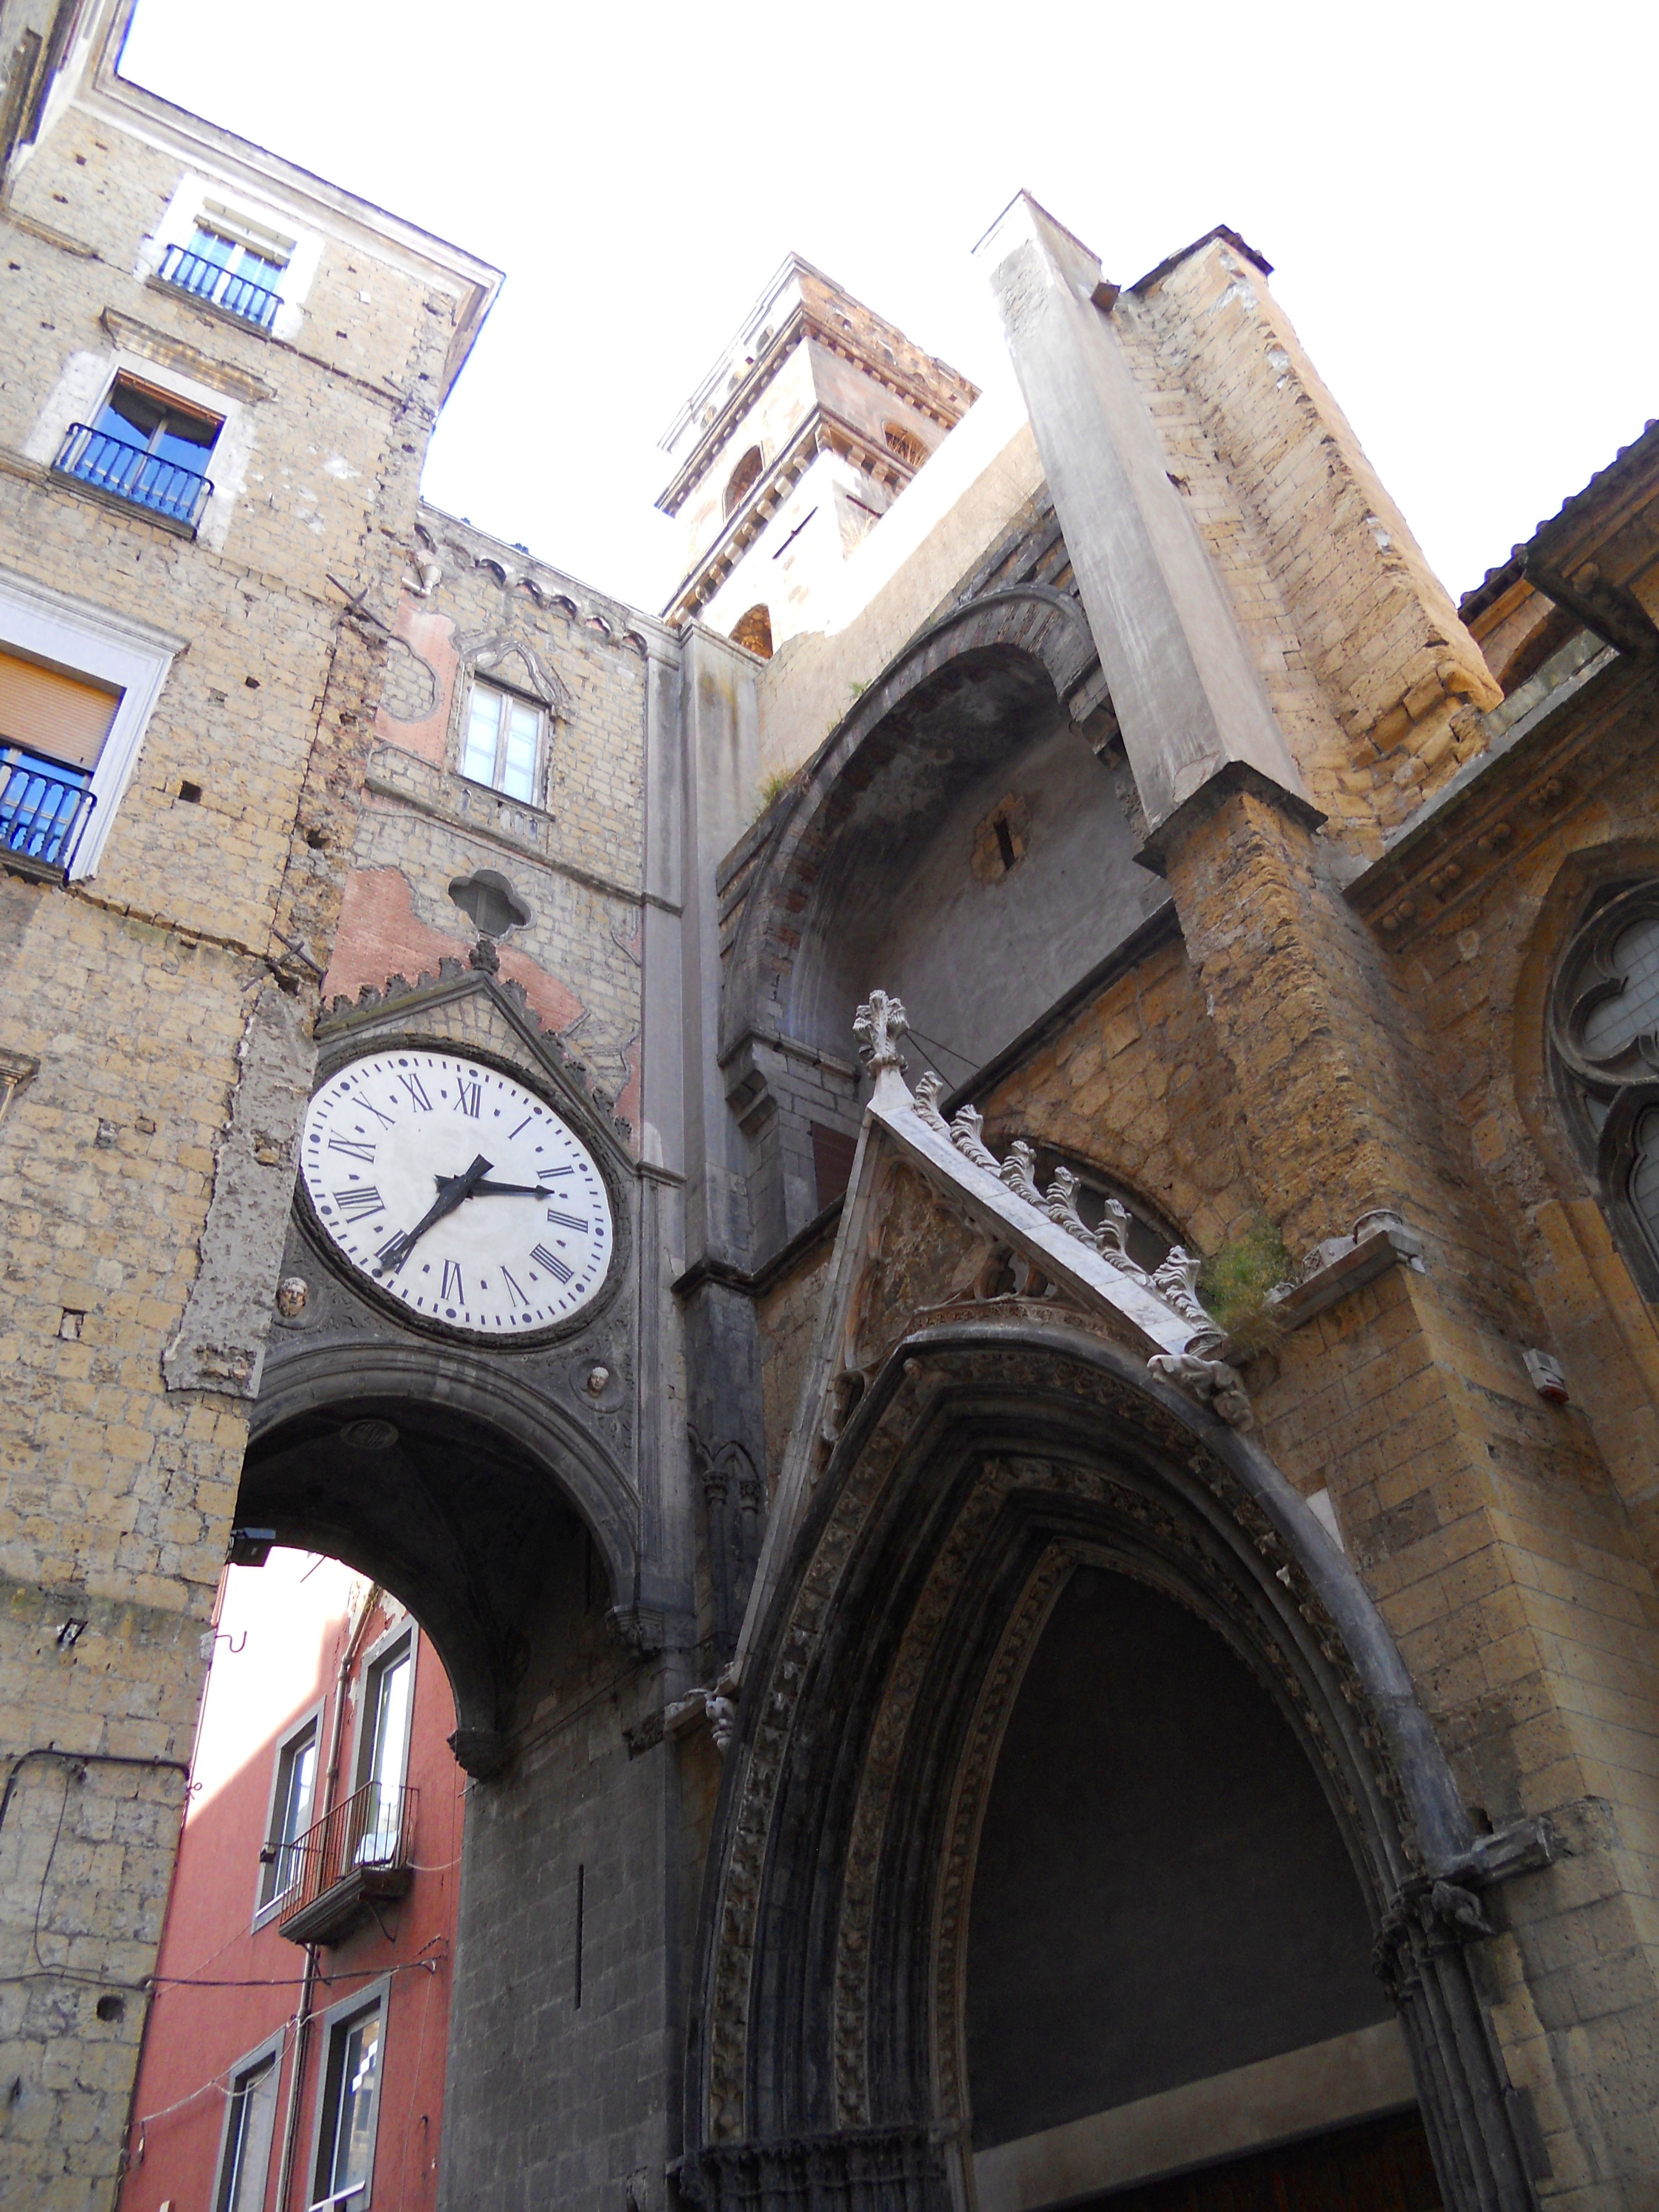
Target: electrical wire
pixel 192 1982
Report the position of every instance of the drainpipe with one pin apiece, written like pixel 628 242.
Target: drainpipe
pixel 308 1983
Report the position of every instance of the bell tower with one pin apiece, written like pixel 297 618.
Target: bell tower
pixel 795 443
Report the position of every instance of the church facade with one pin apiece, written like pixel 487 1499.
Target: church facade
pixel 973 1225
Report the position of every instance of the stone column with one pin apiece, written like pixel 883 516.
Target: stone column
pixel 1189 701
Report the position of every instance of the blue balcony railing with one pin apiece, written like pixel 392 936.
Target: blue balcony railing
pixel 131 472
pixel 43 809
pixel 222 287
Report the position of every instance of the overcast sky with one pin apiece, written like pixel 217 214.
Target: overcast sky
pixel 1455 198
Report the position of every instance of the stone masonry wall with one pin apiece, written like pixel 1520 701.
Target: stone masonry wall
pixel 1376 681
pixel 130 994
pixel 1276 1067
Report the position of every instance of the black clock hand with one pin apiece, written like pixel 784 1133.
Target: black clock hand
pixel 500 1190
pixel 452 1191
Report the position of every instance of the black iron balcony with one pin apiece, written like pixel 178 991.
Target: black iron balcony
pixel 43 810
pixel 219 286
pixel 132 473
pixel 350 1860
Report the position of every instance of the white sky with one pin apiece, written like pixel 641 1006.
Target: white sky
pixel 1455 198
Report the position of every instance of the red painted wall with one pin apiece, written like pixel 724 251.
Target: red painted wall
pixel 224 1986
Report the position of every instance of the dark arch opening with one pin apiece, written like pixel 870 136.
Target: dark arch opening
pixel 453 1515
pixel 743 480
pixel 1161 1895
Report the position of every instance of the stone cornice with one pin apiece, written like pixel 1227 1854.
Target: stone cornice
pixel 1578 738
pixel 822 432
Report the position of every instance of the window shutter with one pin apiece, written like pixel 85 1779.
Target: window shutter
pixel 63 717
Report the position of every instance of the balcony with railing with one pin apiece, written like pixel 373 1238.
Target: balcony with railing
pixel 353 1858
pixel 132 473
pixel 219 286
pixel 44 809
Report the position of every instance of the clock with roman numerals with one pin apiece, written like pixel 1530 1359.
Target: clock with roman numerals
pixel 457 1192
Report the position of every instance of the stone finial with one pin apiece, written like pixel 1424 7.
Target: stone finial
pixel 484 957
pixel 880 1024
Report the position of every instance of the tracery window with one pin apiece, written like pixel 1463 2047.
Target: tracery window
pixel 1605 1036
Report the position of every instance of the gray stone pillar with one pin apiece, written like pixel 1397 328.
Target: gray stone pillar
pixel 1189 701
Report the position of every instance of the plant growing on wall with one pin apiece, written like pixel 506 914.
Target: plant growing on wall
pixel 1234 1283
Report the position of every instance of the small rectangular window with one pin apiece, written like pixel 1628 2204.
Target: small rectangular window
pixel 503 742
pixel 147 447
pixel 290 1814
pixel 250 2123
pixel 349 2109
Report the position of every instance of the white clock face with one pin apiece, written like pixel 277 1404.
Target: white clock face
pixel 457 1192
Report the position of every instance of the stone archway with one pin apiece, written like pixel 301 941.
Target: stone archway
pixel 943 714
pixel 986 1460
pixel 458 1490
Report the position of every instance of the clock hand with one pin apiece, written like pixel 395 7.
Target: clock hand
pixel 500 1190
pixel 452 1191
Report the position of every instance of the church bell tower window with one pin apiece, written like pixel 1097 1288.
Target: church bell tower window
pixel 742 479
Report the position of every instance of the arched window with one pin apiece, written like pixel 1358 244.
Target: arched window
pixel 742 479
pixel 753 630
pixel 905 445
pixel 1605 1036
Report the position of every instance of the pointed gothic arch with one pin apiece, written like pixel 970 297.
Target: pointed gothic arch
pixel 986 1459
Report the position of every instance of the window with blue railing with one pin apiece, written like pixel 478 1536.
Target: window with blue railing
pixel 53 730
pixel 231 269
pixel 146 448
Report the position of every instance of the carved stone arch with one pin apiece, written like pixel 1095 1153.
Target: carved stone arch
pixel 983 1460
pixel 1035 641
pixel 453 1493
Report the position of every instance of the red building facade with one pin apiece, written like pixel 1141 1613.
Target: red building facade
pixel 293 2056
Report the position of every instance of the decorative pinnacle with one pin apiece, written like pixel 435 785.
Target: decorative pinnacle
pixel 879 1025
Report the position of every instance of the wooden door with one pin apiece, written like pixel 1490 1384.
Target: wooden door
pixel 1380 2166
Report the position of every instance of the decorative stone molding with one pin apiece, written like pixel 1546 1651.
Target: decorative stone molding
pixel 859 2170
pixel 15 1069
pixel 1003 1228
pixel 400 1001
pixel 1212 1382
pixel 1339 1265
pixel 1501 805
pixel 1196 1520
